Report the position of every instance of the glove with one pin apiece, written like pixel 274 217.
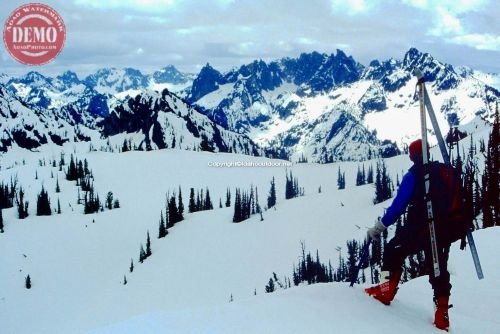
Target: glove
pixel 375 231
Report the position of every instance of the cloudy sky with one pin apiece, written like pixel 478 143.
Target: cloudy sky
pixel 149 34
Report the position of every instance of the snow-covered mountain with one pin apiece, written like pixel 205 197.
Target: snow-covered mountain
pixel 3 78
pixel 153 120
pixel 113 81
pixel 295 105
pixel 30 126
pixel 150 120
pixel 317 106
pixel 65 92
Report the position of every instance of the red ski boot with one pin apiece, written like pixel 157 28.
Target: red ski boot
pixel 441 319
pixel 386 291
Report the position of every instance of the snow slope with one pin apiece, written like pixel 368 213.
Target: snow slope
pixel 77 262
pixel 336 308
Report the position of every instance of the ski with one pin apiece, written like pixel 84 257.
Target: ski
pixel 446 158
pixel 425 158
pixel 362 258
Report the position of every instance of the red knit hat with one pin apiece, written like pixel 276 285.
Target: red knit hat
pixel 415 150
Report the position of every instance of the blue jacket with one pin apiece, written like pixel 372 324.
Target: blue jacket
pixel 402 199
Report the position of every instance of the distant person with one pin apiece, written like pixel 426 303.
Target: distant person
pixel 413 237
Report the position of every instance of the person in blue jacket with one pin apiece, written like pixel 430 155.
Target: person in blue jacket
pixel 412 238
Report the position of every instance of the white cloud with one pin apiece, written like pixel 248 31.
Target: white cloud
pixel 422 4
pixel 305 41
pixel 353 7
pixel 478 41
pixel 191 30
pixel 242 48
pixel 110 33
pixel 144 5
pixel 446 23
pixel 343 46
pixel 450 22
pixel 452 6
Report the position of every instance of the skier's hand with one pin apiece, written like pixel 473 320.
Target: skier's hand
pixel 375 231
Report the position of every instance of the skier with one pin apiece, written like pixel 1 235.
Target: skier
pixel 413 238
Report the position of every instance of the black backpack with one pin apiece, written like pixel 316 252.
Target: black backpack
pixel 452 215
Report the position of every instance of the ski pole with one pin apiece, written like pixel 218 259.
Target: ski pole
pixel 364 254
pixel 475 256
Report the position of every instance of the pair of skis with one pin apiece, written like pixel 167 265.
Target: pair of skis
pixel 425 103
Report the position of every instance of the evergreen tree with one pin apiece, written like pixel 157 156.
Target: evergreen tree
pixel 72 172
pixel 28 282
pixel 162 231
pixel 125 147
pixel 116 204
pixel 228 198
pixel 192 203
pixel 92 204
pixel 208 201
pixel 58 189
pixel 58 207
pixel 131 269
pixel 181 205
pixel 79 198
pixel 271 199
pixel 148 246
pixel 62 162
pixel 491 177
pixel 86 168
pixel 270 286
pixel 167 220
pixel 252 201
pixel 238 216
pixel 109 200
pixel 1 221
pixel 482 146
pixel 383 189
pixel 292 188
pixel 369 178
pixel 7 196
pixel 359 177
pixel 257 205
pixel 173 213
pixel 340 180
pixel 220 203
pixel 22 205
pixel 289 186
pixel 80 170
pixel 142 255
pixel 199 205
pixel 352 257
pixel 124 280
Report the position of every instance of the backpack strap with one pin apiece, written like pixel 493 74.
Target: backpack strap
pixel 462 243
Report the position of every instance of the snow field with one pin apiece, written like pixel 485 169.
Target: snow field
pixel 77 266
